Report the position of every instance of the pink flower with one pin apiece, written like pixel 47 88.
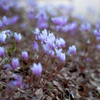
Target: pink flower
pixel 15 63
pixel 37 69
pixel 25 55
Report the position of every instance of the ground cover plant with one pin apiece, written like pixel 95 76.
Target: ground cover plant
pixel 47 53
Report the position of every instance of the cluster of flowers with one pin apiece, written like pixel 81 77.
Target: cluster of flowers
pixel 50 44
pixel 8 21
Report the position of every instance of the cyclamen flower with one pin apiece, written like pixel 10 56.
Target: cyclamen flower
pixel 37 69
pixel 59 20
pixel 60 55
pixel 25 55
pixel 42 16
pixel 8 67
pixel 60 42
pixel 72 50
pixel 36 32
pixel 98 47
pixel 85 27
pixel 3 37
pixel 5 21
pixel 30 15
pixel 17 37
pixel 72 26
pixel 8 32
pixel 15 63
pixel 18 80
pixel 2 51
pixel 97 33
pixel 46 49
pixel 35 46
pixel 43 37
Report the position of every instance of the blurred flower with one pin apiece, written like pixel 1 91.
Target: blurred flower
pixel 37 69
pixel 35 46
pixel 23 25
pixel 85 27
pixel 60 42
pixel 25 55
pixel 59 20
pixel 72 26
pixel 18 80
pixel 97 33
pixel 2 51
pixel 30 15
pixel 3 37
pixel 36 32
pixel 8 67
pixel 17 37
pixel 46 49
pixel 42 16
pixel 5 21
pixel 60 55
pixel 13 19
pixel 97 38
pixel 15 63
pixel 1 24
pixel 43 37
pixel 71 50
pixel 98 46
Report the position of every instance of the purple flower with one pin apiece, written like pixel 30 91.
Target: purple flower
pixel 98 46
pixel 60 42
pixel 2 51
pixel 3 37
pixel 18 80
pixel 30 15
pixel 43 37
pixel 25 55
pixel 17 37
pixel 23 25
pixel 97 38
pixel 5 21
pixel 1 24
pixel 8 67
pixel 13 19
pixel 72 50
pixel 42 16
pixel 35 46
pixel 46 49
pixel 15 63
pixel 85 27
pixel 37 69
pixel 72 26
pixel 42 25
pixel 60 55
pixel 36 32
pixel 59 20
pixel 8 32
pixel 65 28
pixel 97 33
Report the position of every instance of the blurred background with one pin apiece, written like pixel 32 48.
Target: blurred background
pixel 87 8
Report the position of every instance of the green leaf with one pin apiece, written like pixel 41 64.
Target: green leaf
pixel 50 86
pixel 11 50
pixel 14 45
